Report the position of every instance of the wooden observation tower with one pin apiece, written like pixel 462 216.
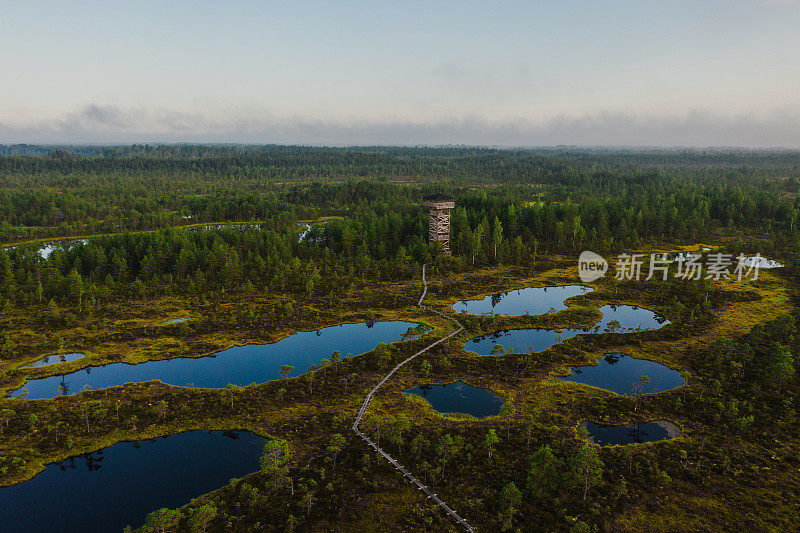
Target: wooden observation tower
pixel 439 229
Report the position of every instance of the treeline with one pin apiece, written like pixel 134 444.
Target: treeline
pixel 104 204
pixel 301 163
pixel 626 215
pixel 591 206
pixel 472 163
pixel 382 235
pixel 265 259
pixel 606 157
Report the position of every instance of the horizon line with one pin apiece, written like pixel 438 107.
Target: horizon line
pixel 620 147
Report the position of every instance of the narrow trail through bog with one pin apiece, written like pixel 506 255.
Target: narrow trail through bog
pixel 371 393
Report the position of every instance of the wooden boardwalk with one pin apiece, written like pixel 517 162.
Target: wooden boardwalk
pixel 363 409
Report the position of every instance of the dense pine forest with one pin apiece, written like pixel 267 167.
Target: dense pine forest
pixel 510 207
pixel 252 244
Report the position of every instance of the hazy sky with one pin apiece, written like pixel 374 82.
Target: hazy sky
pixel 600 72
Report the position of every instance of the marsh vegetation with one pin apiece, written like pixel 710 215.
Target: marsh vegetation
pixel 214 233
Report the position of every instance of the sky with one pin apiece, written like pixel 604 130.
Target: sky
pixel 505 73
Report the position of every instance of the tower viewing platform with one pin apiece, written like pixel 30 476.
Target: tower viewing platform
pixel 439 226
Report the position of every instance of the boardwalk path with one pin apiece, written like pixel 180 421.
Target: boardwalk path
pixel 368 399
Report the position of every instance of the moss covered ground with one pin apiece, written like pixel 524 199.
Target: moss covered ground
pixel 706 479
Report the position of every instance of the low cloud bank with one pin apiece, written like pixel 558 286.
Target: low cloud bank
pixel 111 125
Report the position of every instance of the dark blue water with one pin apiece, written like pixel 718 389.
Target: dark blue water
pixel 459 397
pixel 531 300
pixel 631 433
pixel 54 359
pixel 619 372
pixel 240 365
pixel 119 485
pixel 521 340
pixel 629 318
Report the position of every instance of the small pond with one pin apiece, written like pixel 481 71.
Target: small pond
pixel 118 486
pixel 761 262
pixel 683 256
pixel 752 261
pixel 307 227
pixel 171 321
pixel 531 300
pixel 48 360
pixel 229 225
pixel 521 340
pixel 459 397
pixel 631 433
pixel 618 373
pixel 628 318
pixel 47 248
pixel 304 231
pixel 616 318
pixel 240 365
